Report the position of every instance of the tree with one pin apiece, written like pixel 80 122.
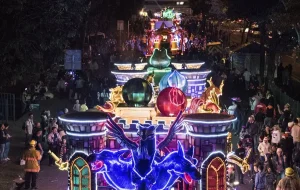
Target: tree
pixel 285 18
pixel 200 7
pixel 36 33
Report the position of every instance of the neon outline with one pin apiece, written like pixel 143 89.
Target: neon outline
pixel 210 122
pixel 86 134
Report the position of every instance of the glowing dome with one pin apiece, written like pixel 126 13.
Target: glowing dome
pixel 173 79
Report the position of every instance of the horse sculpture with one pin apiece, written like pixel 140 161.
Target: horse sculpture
pixel 119 172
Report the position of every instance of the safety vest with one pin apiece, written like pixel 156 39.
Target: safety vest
pixel 31 157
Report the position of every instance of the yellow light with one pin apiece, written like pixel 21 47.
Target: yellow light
pixel 58 162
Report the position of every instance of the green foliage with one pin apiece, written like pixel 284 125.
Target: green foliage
pixel 37 32
pixel 286 17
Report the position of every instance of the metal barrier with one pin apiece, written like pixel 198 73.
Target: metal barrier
pixel 282 98
pixel 7 107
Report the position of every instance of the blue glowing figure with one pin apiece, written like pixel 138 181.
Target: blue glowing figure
pixel 118 171
pixel 144 168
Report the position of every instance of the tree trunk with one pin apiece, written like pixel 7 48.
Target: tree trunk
pixel 262 52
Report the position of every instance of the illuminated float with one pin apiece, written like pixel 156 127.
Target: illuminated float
pixel 135 140
pixel 133 148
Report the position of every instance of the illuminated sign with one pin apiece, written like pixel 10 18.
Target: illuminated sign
pixel 168 13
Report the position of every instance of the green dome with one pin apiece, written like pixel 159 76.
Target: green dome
pixel 160 59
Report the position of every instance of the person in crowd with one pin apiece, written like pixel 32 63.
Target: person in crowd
pixel 276 135
pixel 240 152
pixel 53 141
pixel 278 162
pixel 247 77
pixel 251 157
pixel 260 179
pixel 83 107
pixel 232 108
pixel 38 137
pixel 79 83
pixel 243 132
pixel 270 115
pixel 32 167
pixel 295 132
pixel 270 179
pixel 3 140
pixel 264 148
pixel 253 174
pixel 237 125
pixel 63 154
pixel 259 118
pixel 76 106
pixel 53 123
pixel 29 124
pixel 44 122
pixel 7 143
pixel 66 110
pixel 253 131
pixel 287 146
pixel 253 103
pixel 286 116
pixel 61 87
pixel 270 98
pixel 266 133
pixel 273 150
pixel 36 128
pixel 289 182
pixel 61 132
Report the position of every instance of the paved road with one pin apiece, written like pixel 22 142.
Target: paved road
pixel 50 178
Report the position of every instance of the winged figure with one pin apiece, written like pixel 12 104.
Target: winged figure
pixel 145 151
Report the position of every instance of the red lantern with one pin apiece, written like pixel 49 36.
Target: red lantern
pixel 171 101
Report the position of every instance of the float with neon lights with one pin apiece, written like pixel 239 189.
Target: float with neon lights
pixel 161 129
pixel 137 147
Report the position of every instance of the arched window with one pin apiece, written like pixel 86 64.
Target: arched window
pixel 216 175
pixel 80 178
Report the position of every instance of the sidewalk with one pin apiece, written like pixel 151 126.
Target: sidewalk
pixel 50 178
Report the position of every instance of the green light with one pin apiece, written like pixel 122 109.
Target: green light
pixel 168 13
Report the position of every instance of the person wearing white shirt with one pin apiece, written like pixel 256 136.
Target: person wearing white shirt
pixel 29 127
pixel 276 135
pixel 232 108
pixel 247 76
pixel 76 106
pixel 295 132
pixel 264 148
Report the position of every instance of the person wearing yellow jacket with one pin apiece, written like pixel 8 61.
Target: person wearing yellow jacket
pixel 32 167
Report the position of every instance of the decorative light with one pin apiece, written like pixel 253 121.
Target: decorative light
pixel 207 135
pixel 194 72
pixel 129 73
pixel 211 154
pixel 81 121
pixel 86 134
pixel 210 122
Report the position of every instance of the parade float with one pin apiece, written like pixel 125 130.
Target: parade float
pixel 161 129
pixel 151 136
